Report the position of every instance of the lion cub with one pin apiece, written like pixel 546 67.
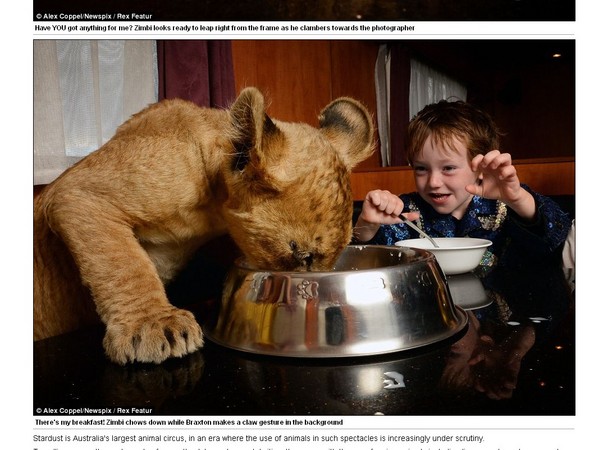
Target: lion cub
pixel 124 220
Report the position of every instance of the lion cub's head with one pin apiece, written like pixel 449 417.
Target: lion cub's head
pixel 289 203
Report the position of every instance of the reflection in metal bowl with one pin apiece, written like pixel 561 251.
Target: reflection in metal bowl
pixel 377 300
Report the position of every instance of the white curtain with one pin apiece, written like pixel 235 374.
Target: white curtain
pixel 382 94
pixel 428 86
pixel 83 90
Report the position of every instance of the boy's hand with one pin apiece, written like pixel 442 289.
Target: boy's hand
pixel 379 208
pixel 500 182
pixel 383 208
pixel 499 178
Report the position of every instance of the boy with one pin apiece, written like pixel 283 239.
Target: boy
pixel 465 187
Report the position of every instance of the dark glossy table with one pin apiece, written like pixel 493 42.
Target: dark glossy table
pixel 515 357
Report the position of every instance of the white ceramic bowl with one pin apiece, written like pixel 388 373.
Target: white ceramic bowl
pixel 455 255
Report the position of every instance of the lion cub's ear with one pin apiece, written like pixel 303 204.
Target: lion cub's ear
pixel 253 130
pixel 348 126
pixel 260 148
pixel 251 125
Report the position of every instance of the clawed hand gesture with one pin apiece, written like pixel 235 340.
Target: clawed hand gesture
pixel 499 181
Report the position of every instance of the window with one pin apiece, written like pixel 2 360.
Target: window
pixel 404 86
pixel 83 90
pixel 428 86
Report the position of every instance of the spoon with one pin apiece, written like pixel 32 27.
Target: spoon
pixel 418 230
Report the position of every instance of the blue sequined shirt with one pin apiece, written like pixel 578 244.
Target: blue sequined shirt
pixel 515 242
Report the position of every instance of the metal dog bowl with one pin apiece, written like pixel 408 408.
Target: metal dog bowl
pixel 377 300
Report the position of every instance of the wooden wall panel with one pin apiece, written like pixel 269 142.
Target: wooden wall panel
pixel 353 70
pixel 294 76
pixel 299 78
pixel 353 75
pixel 398 180
pixel 548 177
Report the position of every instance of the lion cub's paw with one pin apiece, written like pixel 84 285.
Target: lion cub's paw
pixel 153 338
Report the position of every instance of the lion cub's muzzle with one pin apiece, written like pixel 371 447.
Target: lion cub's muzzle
pixel 303 258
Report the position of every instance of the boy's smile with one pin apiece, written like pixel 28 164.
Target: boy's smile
pixel 442 174
pixel 439 198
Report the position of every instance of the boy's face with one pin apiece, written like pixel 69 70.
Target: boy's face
pixel 441 176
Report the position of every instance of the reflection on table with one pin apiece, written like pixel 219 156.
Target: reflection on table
pixel 515 357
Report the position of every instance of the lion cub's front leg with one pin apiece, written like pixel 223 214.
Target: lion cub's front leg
pixel 163 332
pixel 130 297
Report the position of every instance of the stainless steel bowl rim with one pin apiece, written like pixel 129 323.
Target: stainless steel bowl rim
pixel 423 255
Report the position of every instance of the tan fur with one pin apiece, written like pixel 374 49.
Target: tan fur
pixel 126 218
